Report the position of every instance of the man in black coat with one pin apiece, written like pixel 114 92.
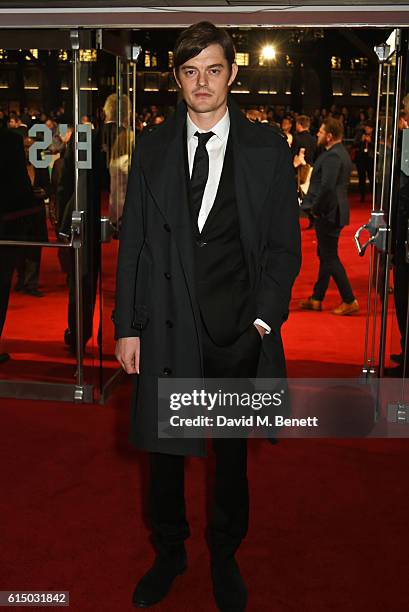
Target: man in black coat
pixel 327 199
pixel 16 207
pixel 209 250
pixel 304 149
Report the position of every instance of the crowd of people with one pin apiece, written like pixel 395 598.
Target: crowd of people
pixel 353 120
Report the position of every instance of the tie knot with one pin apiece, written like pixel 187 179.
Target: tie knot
pixel 203 138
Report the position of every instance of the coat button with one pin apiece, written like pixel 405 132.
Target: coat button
pixel 167 371
pixel 169 324
pixel 167 275
pixel 166 227
pixel 200 243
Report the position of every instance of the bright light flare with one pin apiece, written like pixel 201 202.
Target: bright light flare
pixel 268 52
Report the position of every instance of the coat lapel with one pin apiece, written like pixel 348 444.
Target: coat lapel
pixel 253 162
pixel 164 170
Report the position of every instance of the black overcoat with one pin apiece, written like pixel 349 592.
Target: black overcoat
pixel 155 296
pixel 328 191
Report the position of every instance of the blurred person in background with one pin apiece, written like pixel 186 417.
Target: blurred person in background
pixel 118 170
pixel 16 205
pixel 287 127
pixel 304 139
pixel 15 123
pixel 365 157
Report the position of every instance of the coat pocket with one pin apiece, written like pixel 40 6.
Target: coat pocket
pixel 142 291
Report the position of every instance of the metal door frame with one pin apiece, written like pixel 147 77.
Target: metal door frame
pixel 74 39
pixel 379 225
pixel 78 392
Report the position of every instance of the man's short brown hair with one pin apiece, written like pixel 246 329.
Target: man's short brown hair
pixel 197 37
pixel 304 121
pixel 334 127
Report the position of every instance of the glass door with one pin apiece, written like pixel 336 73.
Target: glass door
pixel 50 218
pixel 118 134
pixel 386 340
pixel 377 245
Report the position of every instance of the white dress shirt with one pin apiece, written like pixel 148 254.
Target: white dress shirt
pixel 216 148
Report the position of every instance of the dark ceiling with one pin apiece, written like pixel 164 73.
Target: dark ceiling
pixel 205 3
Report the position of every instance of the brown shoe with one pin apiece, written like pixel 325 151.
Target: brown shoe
pixel 310 304
pixel 347 309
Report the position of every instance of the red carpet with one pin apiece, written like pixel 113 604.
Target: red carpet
pixel 328 528
pixel 328 518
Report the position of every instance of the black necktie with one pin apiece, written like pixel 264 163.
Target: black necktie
pixel 200 172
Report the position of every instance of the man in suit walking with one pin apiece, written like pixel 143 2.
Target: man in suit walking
pixel 209 251
pixel 327 199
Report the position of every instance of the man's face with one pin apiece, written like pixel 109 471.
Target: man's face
pixel 12 123
pixel 205 80
pixel 322 137
pixel 286 125
pixel 403 123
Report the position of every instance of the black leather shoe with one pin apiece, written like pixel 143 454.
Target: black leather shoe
pixel 397 372
pixel 157 581
pixel 34 293
pixel 229 589
pixel 397 358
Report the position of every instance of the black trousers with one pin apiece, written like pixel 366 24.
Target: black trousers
pixel 29 259
pixel 229 510
pixel 9 257
pixel 28 268
pixel 401 277
pixel 365 168
pixel 330 263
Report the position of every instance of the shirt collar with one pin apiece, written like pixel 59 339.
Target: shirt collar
pixel 221 129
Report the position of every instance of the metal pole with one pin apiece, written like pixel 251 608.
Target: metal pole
pixel 386 135
pixel 370 361
pixel 119 93
pixel 79 392
pixel 378 111
pixel 128 107
pixel 133 105
pixel 398 79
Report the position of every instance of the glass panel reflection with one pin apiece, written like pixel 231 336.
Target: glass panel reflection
pixel 37 283
pixel 33 288
pixel 118 142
